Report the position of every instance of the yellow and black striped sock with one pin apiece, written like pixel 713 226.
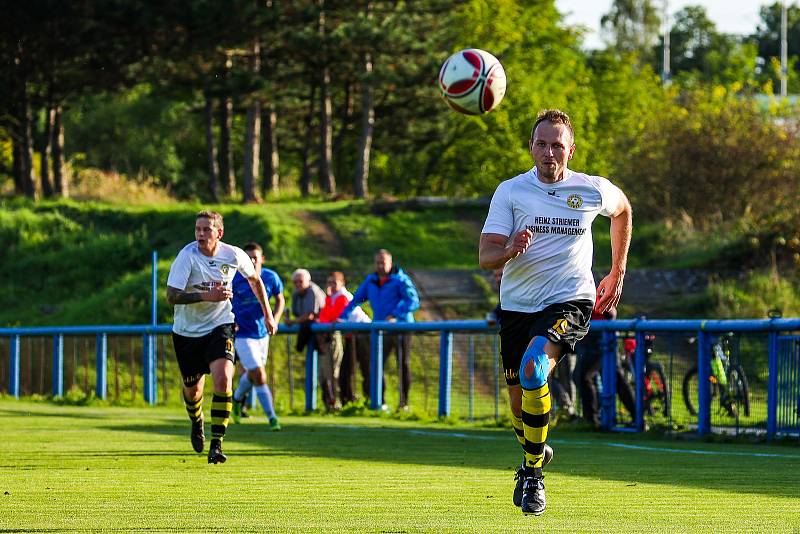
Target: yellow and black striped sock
pixel 194 408
pixel 516 422
pixel 221 406
pixel 535 421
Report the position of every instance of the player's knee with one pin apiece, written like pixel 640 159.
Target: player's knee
pixel 535 365
pixel 515 400
pixel 258 376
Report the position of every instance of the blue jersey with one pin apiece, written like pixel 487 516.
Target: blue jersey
pixel 246 308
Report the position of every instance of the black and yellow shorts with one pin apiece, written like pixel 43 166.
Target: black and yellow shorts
pixel 565 323
pixel 195 354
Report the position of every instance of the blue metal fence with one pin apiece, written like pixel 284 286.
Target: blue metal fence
pixel 783 378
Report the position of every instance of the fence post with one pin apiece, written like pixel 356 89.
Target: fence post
pixel 154 290
pixel 376 370
pixel 101 366
pixel 608 397
pixel 772 387
pixel 311 375
pixel 639 367
pixel 58 365
pixel 149 369
pixel 496 357
pixel 445 371
pixel 13 363
pixel 471 370
pixel 703 390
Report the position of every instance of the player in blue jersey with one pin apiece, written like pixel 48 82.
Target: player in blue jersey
pixel 252 339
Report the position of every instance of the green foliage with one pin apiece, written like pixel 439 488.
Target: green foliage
pixel 702 159
pixel 92 261
pixel 106 132
pixel 436 238
pixel 754 296
pixel 545 69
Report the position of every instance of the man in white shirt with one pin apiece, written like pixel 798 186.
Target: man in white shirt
pixel 539 230
pixel 199 286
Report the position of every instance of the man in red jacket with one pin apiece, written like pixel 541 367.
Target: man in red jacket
pixel 332 347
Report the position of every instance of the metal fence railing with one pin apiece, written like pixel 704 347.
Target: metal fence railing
pixel 739 376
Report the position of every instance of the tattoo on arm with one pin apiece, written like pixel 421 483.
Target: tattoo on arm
pixel 176 296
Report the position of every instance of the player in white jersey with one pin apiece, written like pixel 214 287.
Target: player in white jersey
pixel 199 286
pixel 539 230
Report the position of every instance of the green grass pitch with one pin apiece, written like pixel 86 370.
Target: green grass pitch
pixel 70 468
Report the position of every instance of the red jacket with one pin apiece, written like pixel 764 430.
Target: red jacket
pixel 334 304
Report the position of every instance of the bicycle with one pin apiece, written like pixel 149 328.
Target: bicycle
pixel 656 397
pixel 727 381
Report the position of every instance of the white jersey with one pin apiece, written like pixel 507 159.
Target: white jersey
pixel 557 267
pixel 194 272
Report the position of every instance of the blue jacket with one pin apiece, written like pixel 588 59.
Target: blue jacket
pixel 397 297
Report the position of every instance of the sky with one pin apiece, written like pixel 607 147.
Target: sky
pixel 730 16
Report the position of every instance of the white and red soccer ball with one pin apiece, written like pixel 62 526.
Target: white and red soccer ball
pixel 472 81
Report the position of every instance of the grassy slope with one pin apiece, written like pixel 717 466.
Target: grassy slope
pixel 84 468
pixel 89 263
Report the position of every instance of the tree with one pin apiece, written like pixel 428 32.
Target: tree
pixel 700 53
pixel 768 40
pixel 711 156
pixel 632 26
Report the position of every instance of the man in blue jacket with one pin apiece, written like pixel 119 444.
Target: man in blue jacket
pixel 392 297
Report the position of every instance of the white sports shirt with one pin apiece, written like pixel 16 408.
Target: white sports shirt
pixel 557 267
pixel 193 272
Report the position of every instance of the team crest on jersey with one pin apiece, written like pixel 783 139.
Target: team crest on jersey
pixel 574 201
pixel 224 268
pixel 558 329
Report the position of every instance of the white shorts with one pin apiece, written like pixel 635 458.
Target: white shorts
pixel 252 351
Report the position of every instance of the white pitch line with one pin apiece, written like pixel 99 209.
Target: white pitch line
pixel 614 444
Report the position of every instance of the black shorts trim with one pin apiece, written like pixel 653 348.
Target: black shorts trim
pixel 565 323
pixel 195 354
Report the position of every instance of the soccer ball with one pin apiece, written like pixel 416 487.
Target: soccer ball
pixel 472 81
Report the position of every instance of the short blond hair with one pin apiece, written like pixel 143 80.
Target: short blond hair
pixel 213 216
pixel 554 116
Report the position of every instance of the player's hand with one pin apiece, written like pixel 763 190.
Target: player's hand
pixel 520 243
pixel 217 293
pixel 609 292
pixel 272 326
pixel 390 319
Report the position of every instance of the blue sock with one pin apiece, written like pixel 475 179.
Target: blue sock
pixel 243 388
pixel 265 398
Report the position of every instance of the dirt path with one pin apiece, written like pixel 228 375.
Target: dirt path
pixel 326 242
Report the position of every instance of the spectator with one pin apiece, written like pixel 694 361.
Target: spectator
pixel 307 301
pixel 333 346
pixel 393 297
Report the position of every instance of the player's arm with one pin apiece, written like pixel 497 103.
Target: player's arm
pixel 214 294
pixel 280 306
pixel 610 289
pixel 257 285
pixel 495 250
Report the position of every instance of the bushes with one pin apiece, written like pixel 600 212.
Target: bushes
pixel 754 296
pixel 713 156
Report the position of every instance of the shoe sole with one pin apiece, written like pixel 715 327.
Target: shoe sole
pixel 533 513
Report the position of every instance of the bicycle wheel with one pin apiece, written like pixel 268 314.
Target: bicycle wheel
pixel 739 390
pixel 657 396
pixel 690 390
